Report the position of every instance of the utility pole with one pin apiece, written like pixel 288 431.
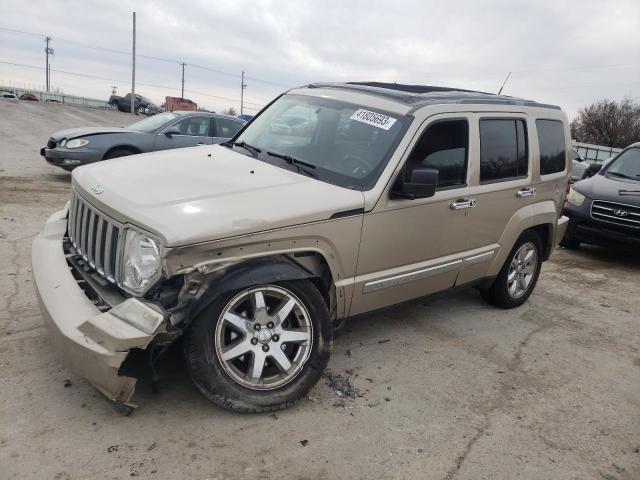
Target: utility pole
pixel 133 70
pixel 114 89
pixel 47 67
pixel 242 87
pixel 183 65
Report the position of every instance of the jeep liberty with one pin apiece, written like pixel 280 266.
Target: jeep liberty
pixel 338 199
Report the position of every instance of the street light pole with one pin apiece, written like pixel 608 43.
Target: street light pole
pixel 133 69
pixel 182 94
pixel 47 74
pixel 242 87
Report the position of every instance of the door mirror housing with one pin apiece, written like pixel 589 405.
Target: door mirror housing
pixel 422 183
pixel 171 131
pixel 592 169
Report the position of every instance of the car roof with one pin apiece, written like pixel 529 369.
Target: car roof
pixel 415 96
pixel 196 112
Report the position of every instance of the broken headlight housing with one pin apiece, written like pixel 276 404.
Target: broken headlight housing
pixel 141 263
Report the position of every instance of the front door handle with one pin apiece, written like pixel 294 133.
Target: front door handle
pixel 463 203
pixel 526 192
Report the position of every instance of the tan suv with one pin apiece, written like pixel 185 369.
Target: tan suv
pixel 335 201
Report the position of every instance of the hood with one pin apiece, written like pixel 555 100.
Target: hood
pixel 601 187
pixel 86 131
pixel 199 194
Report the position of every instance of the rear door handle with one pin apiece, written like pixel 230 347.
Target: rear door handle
pixel 463 203
pixel 526 192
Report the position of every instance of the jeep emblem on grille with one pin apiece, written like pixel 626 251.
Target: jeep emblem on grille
pixel 620 213
pixel 97 189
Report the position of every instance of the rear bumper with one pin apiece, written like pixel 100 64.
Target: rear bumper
pixel 89 342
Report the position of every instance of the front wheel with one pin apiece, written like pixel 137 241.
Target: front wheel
pixel 519 274
pixel 261 348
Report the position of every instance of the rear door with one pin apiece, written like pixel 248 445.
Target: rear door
pixel 225 128
pixel 194 130
pixel 501 184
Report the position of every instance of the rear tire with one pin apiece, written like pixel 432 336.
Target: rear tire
pixel 119 152
pixel 229 324
pixel 518 276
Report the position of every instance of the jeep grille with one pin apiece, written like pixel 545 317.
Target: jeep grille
pixel 94 236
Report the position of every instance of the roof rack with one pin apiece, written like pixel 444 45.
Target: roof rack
pixel 421 95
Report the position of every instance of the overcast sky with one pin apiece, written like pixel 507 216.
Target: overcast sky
pixel 570 53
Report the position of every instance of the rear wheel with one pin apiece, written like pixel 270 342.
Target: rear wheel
pixel 119 152
pixel 261 348
pixel 519 274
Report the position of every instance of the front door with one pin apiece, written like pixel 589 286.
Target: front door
pixel 194 130
pixel 410 248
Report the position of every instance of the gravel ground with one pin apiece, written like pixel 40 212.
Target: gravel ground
pixel 448 388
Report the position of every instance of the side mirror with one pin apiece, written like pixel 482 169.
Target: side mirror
pixel 171 131
pixel 422 183
pixel 592 169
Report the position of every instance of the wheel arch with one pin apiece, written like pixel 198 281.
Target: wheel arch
pixel 129 147
pixel 541 217
pixel 309 265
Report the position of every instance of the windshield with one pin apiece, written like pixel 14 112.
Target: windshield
pixel 151 124
pixel 336 142
pixel 626 165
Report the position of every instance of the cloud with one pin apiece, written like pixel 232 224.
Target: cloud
pixel 460 43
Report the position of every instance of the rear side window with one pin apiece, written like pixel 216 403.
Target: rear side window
pixel 443 146
pixel 503 150
pixel 552 146
pixel 227 128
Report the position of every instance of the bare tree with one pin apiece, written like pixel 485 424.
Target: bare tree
pixel 230 111
pixel 607 122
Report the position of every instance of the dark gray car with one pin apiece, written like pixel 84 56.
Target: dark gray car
pixel 69 149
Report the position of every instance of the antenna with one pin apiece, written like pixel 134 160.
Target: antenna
pixel 504 83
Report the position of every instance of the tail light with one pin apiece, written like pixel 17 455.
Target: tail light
pixel 564 197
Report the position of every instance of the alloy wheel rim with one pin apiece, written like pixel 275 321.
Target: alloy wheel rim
pixel 522 270
pixel 263 337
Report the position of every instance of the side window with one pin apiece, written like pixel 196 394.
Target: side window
pixel 194 126
pixel 552 146
pixel 443 146
pixel 503 150
pixel 226 127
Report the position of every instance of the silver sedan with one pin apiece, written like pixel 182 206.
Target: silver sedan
pixel 69 149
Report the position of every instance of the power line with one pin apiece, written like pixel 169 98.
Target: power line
pixel 139 55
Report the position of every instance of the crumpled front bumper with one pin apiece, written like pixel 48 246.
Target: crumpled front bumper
pixel 89 342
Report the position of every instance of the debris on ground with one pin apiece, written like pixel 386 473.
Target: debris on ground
pixel 152 446
pixel 384 340
pixel 67 383
pixel 304 443
pixel 112 449
pixel 341 385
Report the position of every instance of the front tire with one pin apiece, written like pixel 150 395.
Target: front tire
pixel 119 152
pixel 519 274
pixel 261 348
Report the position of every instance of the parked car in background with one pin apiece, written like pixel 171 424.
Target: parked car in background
pixel 245 117
pixel 605 208
pixel 142 105
pixel 69 149
pixel 253 252
pixel 578 166
pixel 8 94
pixel 29 97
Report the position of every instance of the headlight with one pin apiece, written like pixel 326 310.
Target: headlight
pixel 140 263
pixel 76 143
pixel 575 197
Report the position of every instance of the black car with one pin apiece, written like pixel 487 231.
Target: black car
pixel 605 208
pixel 142 105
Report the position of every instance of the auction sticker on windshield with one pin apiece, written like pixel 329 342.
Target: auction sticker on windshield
pixel 372 118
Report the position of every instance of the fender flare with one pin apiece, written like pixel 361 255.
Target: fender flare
pixel 248 274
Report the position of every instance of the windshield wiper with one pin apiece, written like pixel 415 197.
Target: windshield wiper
pixel 621 175
pixel 299 164
pixel 246 146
